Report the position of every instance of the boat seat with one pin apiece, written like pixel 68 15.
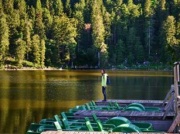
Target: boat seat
pixel 127 128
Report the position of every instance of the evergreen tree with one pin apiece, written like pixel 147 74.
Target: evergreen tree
pixel 138 51
pixel 42 53
pixel 20 51
pixel 27 37
pixel 131 39
pixel 39 26
pixel 64 33
pixel 57 7
pixel 147 9
pixel 98 33
pixel 4 37
pixel 148 27
pixel 36 52
pixel 120 52
pixel 8 6
pixel 133 9
pixel 31 14
pixel 176 14
pixel 79 16
pixel 159 45
pixel 68 8
pixel 169 31
pixel 106 31
pixel 47 20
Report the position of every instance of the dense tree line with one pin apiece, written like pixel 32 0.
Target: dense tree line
pixel 89 33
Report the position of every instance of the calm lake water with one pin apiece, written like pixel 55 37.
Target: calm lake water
pixel 29 96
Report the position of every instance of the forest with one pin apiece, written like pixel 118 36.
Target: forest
pixel 89 33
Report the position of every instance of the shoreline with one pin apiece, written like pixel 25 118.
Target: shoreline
pixel 30 68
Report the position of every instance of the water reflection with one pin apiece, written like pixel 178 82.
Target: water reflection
pixel 28 96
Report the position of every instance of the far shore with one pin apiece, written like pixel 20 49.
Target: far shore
pixel 32 68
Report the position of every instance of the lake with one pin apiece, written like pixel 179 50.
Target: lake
pixel 29 96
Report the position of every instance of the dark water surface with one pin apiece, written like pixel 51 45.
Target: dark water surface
pixel 29 96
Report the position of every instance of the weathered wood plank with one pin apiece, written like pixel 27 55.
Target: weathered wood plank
pixel 80 132
pixel 131 101
pixel 175 123
pixel 73 132
pixel 158 103
pixel 128 114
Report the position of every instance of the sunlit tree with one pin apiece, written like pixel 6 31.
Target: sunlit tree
pixel 4 37
pixel 20 51
pixel 170 37
pixel 98 33
pixel 36 56
pixel 64 33
pixel 38 25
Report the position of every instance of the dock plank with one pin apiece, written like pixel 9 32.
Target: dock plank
pixel 128 114
pixel 175 123
pixel 73 132
pixel 85 132
pixel 158 103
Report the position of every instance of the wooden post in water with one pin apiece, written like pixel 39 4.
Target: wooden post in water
pixel 176 122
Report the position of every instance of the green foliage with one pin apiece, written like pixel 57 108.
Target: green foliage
pixel 57 7
pixel 120 52
pixel 172 42
pixel 64 33
pixel 42 53
pixel 4 38
pixel 36 50
pixel 98 33
pixel 28 64
pixel 20 51
pixel 89 33
pixel 169 27
pixel 39 25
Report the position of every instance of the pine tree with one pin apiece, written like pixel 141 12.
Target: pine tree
pixel 148 27
pixel 159 45
pixel 64 33
pixel 68 8
pixel 27 37
pixel 4 37
pixel 79 14
pixel 47 20
pixel 39 26
pixel 120 52
pixel 147 8
pixel 57 7
pixel 8 6
pixel 176 14
pixel 20 51
pixel 98 33
pixel 42 53
pixel 36 50
pixel 169 32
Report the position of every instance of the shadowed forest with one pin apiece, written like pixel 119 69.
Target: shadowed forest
pixel 89 33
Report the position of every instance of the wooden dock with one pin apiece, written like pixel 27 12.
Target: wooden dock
pixel 157 119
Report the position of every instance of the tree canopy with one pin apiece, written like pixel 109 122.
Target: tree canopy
pixel 89 33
